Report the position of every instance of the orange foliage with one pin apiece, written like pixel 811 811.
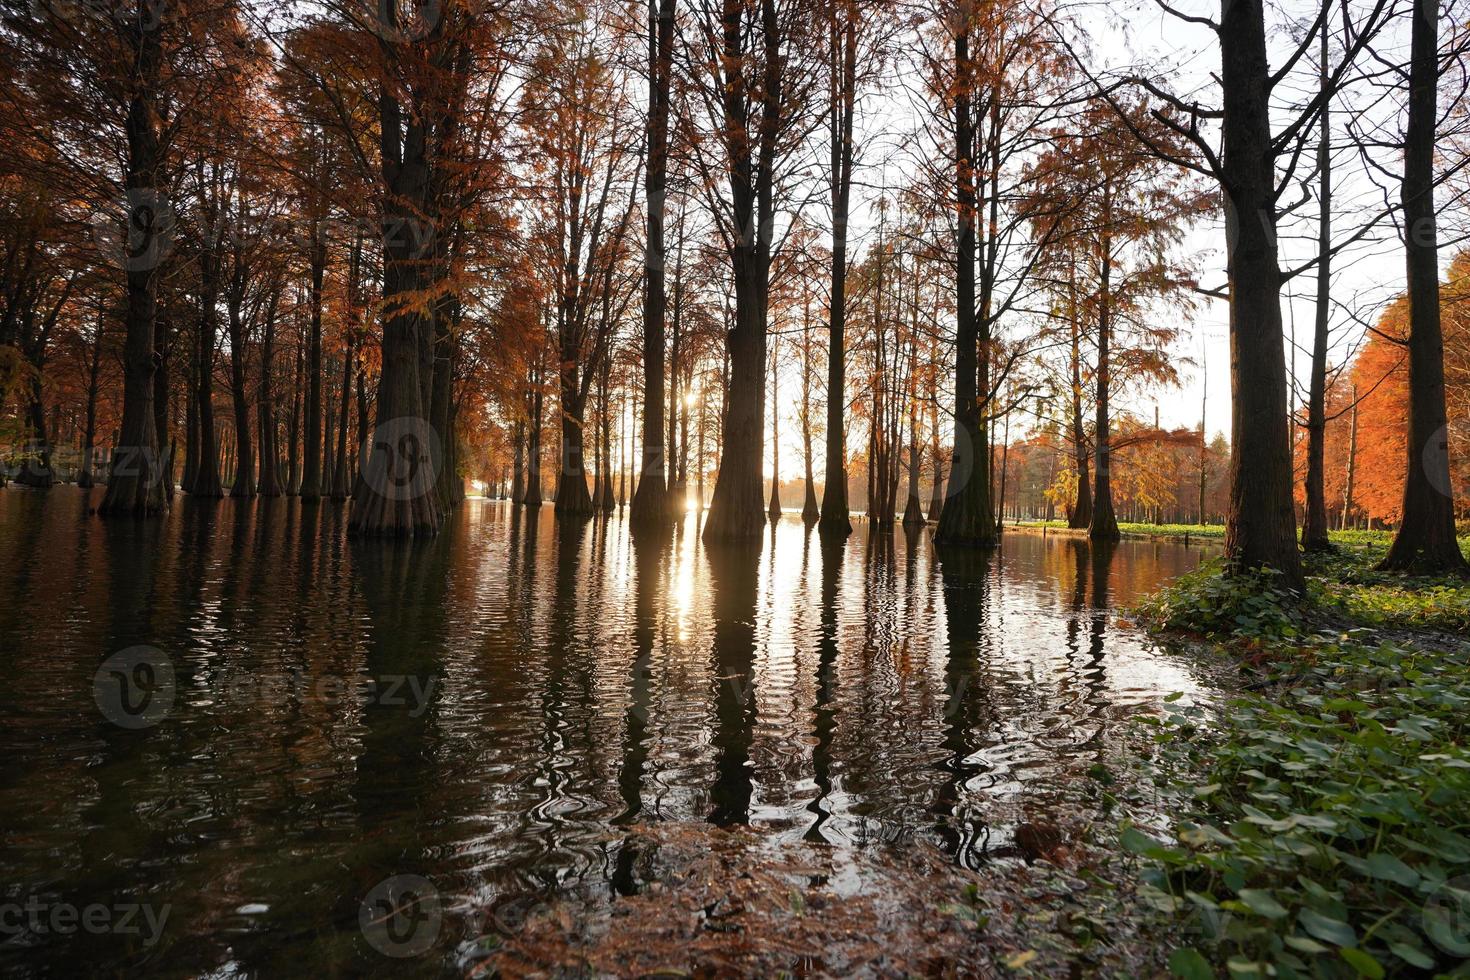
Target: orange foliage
pixel 1380 374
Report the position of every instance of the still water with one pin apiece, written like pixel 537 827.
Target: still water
pixel 237 723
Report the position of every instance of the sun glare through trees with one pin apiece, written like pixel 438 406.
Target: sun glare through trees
pixel 735 487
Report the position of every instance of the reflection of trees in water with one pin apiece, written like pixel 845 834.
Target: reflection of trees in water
pixel 403 588
pixel 734 579
pixel 866 701
pixel 965 580
pixel 824 711
pixel 1103 553
pixel 911 697
pixel 1085 678
pixel 649 553
pixel 563 685
pixel 128 847
pixel 650 549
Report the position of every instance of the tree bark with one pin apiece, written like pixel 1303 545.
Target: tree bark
pixel 533 440
pixel 134 487
pixel 293 428
pixel 243 485
pixel 518 472
pixel 1081 515
pixel 268 483
pixel 843 93
pixel 206 482
pixel 967 517
pixel 1425 541
pixel 1104 526
pixel 311 450
pixel 650 505
pixel 1314 523
pixel 913 511
pixel 774 510
pixel 397 497
pixel 94 371
pixel 736 509
pixel 1261 527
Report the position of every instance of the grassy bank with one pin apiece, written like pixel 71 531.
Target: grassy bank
pixel 1325 815
pixel 1132 530
pixel 1354 538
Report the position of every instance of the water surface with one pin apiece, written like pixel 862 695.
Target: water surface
pixel 491 710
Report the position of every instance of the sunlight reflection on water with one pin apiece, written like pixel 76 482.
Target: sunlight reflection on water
pixel 489 709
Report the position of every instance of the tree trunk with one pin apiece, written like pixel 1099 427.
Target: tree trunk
pixel 311 450
pixel 293 429
pixel 1425 541
pixel 1314 524
pixel 774 510
pixel 162 405
pixel 328 428
pixel 364 425
pixel 843 93
pixel 191 421
pixel 35 468
pixel 1081 515
pixel 1104 526
pixel 1261 527
pixel 572 498
pixel 518 472
pixel 441 404
pixel 913 511
pixel 341 476
pixel 94 371
pixel 269 483
pixel 736 509
pixel 340 487
pixel 533 440
pixel 134 487
pixel 967 517
pixel 206 481
pixel 245 462
pixel 397 497
pixel 622 455
pixel 650 506
pixel 1352 465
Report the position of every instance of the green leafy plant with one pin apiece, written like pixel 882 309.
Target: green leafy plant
pixel 1325 823
pixel 1249 606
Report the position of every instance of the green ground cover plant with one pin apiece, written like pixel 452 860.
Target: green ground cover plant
pixel 1325 822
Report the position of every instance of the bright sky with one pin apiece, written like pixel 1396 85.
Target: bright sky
pixel 1137 34
pixel 1365 277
